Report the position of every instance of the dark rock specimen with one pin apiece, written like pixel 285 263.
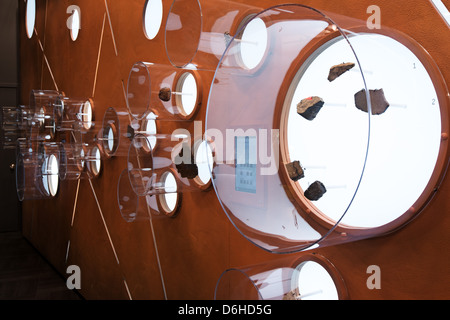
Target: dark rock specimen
pixel 377 100
pixel 309 108
pixel 186 166
pixel 315 191
pixel 295 170
pixel 338 70
pixel 165 94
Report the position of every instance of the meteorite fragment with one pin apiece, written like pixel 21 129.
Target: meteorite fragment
pixel 338 70
pixel 165 94
pixel 377 100
pixel 309 108
pixel 186 165
pixel 315 191
pixel 291 295
pixel 130 132
pixel 295 170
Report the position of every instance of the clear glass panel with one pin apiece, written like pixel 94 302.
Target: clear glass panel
pixel 171 158
pixel 73 113
pixel 197 32
pixel 116 132
pixel 37 170
pixel 167 92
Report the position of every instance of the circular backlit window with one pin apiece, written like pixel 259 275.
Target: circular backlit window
pixel 405 130
pixel 149 130
pixel 75 24
pixel 169 199
pixel 86 115
pixel 253 43
pixel 153 14
pixel 311 281
pixel 50 175
pixel 30 17
pixel 109 134
pixel 95 162
pixel 204 160
pixel 109 140
pixel 187 94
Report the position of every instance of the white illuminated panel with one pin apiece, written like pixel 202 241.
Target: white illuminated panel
pixel 30 17
pixel 404 140
pixel 253 43
pixel 76 24
pixel 204 161
pixel 170 189
pixel 314 282
pixel 153 14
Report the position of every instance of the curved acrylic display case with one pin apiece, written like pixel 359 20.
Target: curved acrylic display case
pixel 163 91
pixel 310 277
pixel 197 32
pixel 135 208
pixel 15 124
pixel 116 132
pixel 73 113
pixel 37 170
pixel 297 156
pixel 166 170
pixel 79 161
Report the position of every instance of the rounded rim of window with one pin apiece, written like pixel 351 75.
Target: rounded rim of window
pixel 436 174
pixel 325 265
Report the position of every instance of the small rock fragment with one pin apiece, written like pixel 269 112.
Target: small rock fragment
pixel 295 170
pixel 338 70
pixel 315 191
pixel 165 94
pixel 377 100
pixel 309 108
pixel 291 295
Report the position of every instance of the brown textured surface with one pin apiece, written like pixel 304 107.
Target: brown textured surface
pixel 118 259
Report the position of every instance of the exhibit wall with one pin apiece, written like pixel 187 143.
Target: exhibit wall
pixel 212 149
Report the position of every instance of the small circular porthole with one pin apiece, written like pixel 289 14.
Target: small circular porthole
pixel 50 175
pixel 187 97
pixel 30 17
pixel 109 135
pixel 153 14
pixel 109 140
pixel 87 115
pixel 332 146
pixel 253 43
pixel 149 130
pixel 311 281
pixel 75 24
pixel 95 162
pixel 204 160
pixel 170 199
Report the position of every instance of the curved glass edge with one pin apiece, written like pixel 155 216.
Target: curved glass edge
pixel 301 246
